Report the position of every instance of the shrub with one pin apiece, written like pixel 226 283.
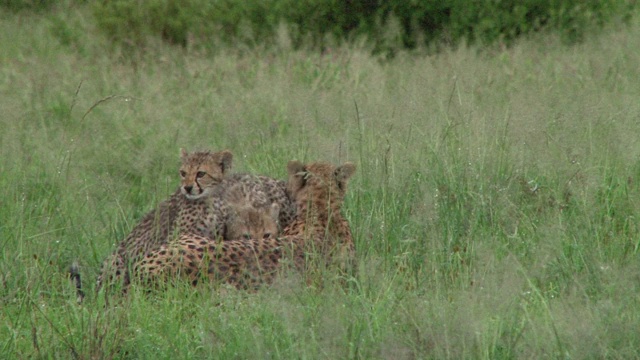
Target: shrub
pixel 311 22
pixel 17 5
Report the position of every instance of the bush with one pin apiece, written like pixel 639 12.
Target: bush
pixel 17 5
pixel 311 22
pixel 132 22
pixel 33 5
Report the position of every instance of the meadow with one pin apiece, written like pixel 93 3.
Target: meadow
pixel 494 207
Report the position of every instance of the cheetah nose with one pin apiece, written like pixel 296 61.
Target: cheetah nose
pixel 188 189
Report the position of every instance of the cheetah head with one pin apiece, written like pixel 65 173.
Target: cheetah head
pixel 201 171
pixel 249 222
pixel 319 183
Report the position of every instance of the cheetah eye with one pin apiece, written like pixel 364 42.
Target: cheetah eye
pixel 266 235
pixel 200 174
pixel 183 173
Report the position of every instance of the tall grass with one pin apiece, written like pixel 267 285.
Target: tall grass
pixel 493 208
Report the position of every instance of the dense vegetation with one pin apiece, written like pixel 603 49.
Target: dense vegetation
pixel 386 25
pixel 495 206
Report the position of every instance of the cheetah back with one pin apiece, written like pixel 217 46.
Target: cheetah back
pixel 261 192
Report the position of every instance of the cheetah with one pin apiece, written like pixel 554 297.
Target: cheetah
pixel 247 222
pixel 259 192
pixel 206 204
pixel 187 210
pixel 318 232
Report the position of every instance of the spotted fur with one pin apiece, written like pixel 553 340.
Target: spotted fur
pixel 318 234
pixel 187 210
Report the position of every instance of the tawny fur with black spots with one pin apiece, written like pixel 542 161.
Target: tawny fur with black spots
pixel 318 234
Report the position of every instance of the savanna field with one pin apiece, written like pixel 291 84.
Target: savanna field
pixel 494 208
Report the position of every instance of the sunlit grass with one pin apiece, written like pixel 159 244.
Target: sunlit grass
pixel 493 207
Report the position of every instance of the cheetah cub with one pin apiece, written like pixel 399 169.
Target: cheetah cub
pixel 318 233
pixel 247 222
pixel 187 210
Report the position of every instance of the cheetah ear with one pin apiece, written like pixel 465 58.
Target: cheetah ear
pixel 225 159
pixel 343 173
pixel 297 175
pixel 183 154
pixel 294 167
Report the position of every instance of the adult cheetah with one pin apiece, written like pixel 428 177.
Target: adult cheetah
pixel 318 234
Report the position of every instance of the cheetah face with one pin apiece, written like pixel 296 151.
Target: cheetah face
pixel 253 223
pixel 202 171
pixel 319 181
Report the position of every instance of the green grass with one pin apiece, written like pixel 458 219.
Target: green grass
pixel 494 206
